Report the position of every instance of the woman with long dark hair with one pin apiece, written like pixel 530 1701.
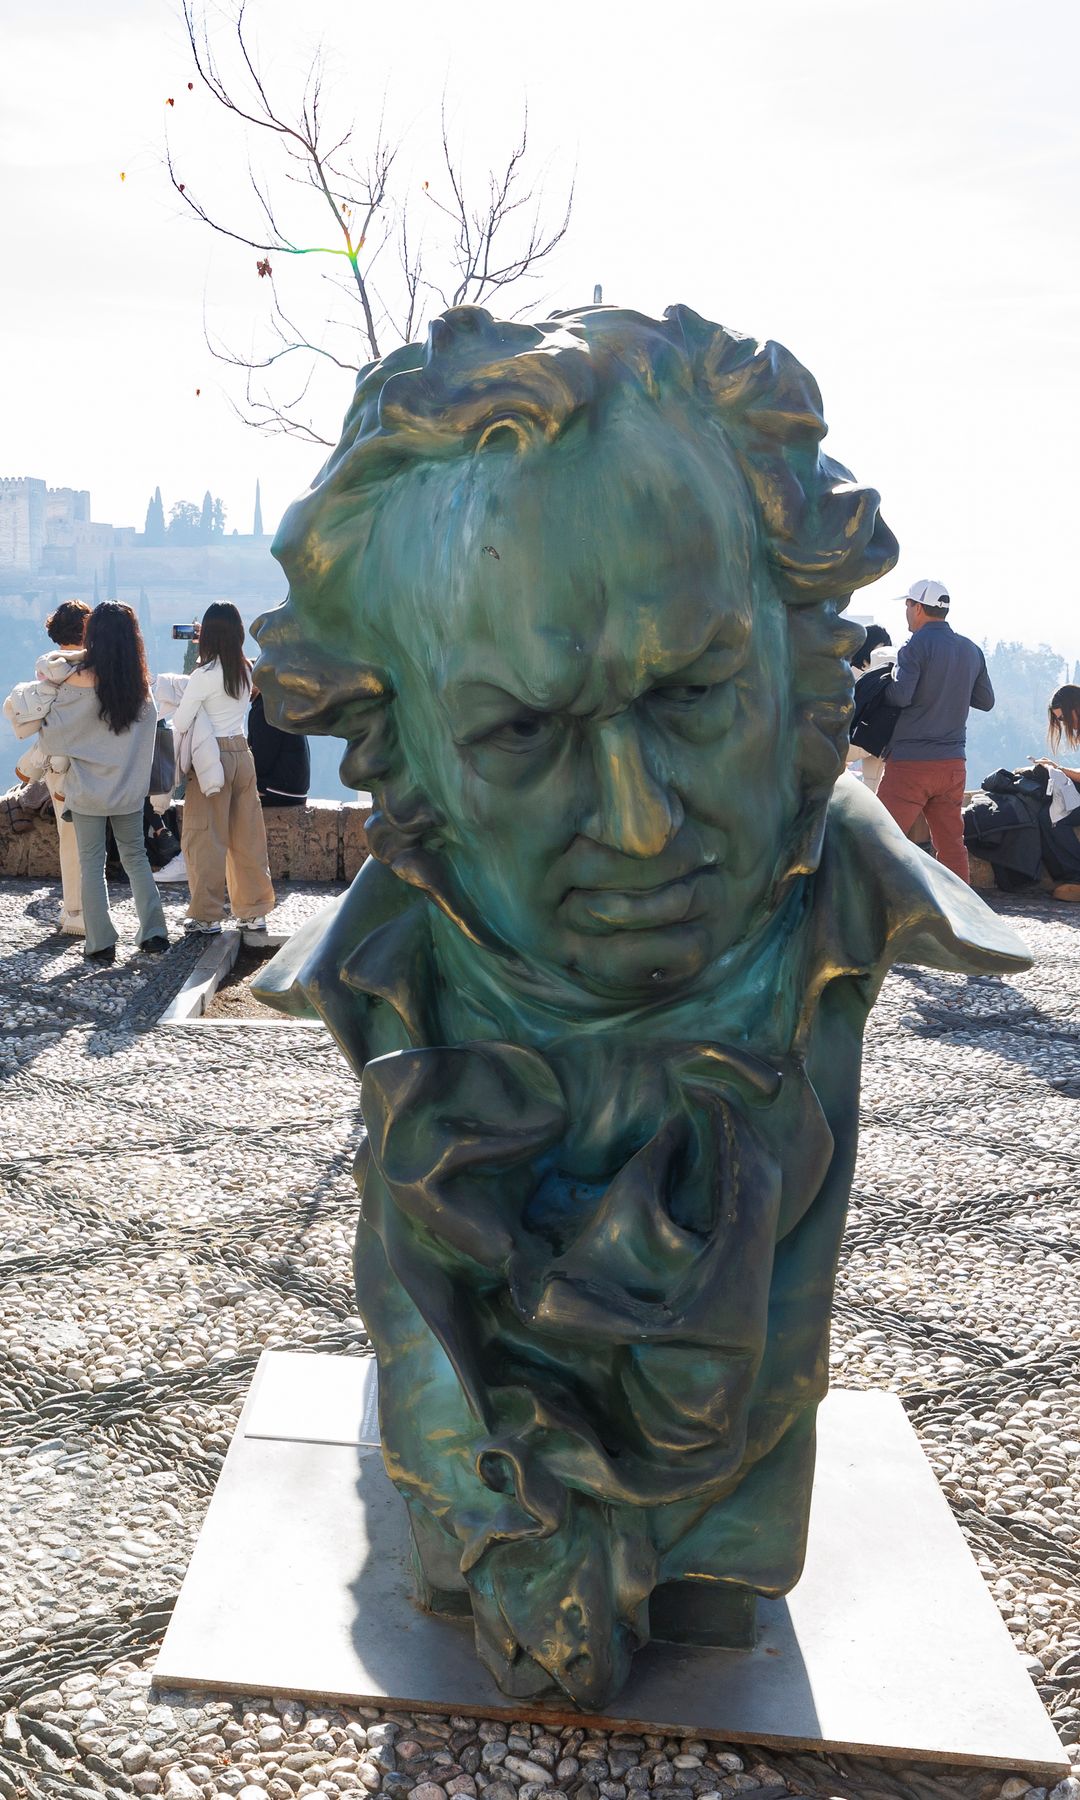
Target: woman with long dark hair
pixel 1063 721
pixel 224 838
pixel 102 720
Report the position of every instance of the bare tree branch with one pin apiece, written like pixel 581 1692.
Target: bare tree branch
pixel 482 248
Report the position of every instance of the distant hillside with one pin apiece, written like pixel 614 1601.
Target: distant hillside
pixel 1024 680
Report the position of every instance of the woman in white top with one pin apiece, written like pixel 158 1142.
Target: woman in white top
pixel 224 835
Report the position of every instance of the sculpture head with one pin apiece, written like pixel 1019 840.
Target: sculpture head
pixel 572 593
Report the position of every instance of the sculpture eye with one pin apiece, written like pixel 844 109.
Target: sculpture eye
pixel 690 695
pixel 699 711
pixel 525 731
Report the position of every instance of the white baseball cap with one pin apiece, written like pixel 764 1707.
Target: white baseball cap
pixel 928 593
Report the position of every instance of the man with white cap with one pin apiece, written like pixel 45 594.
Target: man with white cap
pixel 938 676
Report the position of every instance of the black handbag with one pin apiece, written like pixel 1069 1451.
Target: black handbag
pixel 163 765
pixel 874 720
pixel 160 836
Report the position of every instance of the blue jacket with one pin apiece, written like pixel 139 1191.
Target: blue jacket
pixel 938 676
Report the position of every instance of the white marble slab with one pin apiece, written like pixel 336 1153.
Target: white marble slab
pixel 336 1402
pixel 890 1645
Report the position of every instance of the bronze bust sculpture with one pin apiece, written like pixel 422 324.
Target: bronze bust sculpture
pixel 573 593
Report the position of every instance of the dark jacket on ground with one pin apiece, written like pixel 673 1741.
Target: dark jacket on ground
pixel 1008 825
pixel 938 676
pixel 282 760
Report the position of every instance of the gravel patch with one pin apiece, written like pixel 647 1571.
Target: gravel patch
pixel 175 1200
pixel 234 998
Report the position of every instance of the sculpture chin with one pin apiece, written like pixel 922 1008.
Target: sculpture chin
pixel 642 964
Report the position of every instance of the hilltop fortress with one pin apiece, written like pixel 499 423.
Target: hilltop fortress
pixel 50 540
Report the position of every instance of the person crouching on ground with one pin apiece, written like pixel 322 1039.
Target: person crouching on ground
pixel 67 627
pixel 103 720
pixel 1063 721
pixel 938 676
pixel 224 838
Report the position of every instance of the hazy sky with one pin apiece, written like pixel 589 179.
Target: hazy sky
pixel 890 187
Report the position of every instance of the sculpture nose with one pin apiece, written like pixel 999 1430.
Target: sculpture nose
pixel 634 812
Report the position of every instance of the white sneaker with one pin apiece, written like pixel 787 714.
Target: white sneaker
pixel 71 925
pixel 203 927
pixel 251 924
pixel 176 870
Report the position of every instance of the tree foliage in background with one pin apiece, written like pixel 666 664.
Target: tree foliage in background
pixel 184 520
pixel 191 524
pixel 391 253
pixel 1024 680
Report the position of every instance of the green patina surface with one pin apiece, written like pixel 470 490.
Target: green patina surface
pixel 573 595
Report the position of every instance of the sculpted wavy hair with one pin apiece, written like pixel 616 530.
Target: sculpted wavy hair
pixel 479 385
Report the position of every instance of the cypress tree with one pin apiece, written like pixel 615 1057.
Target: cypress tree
pixel 206 521
pixel 154 529
pixel 258 527
pixel 110 585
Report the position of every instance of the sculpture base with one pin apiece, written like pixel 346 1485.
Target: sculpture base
pixel 680 1612
pixel 890 1645
pixel 698 1612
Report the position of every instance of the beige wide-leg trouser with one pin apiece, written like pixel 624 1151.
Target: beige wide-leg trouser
pixel 224 841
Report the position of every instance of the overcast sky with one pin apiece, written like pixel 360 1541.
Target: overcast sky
pixel 889 187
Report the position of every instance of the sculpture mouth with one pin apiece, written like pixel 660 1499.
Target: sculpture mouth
pixel 670 903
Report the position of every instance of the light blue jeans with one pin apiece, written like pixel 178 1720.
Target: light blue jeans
pixel 128 832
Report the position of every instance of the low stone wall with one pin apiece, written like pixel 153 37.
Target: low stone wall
pixel 324 841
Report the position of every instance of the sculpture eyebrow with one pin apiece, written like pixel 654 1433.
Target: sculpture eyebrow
pixel 718 661
pixel 495 703
pixel 710 663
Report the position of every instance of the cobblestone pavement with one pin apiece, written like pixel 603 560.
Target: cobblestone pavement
pixel 175 1199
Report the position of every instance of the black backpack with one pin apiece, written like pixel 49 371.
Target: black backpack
pixel 873 721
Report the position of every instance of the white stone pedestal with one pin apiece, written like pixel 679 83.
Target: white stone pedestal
pixel 890 1645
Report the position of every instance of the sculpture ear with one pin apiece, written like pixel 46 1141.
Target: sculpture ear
pixel 505 434
pixel 305 690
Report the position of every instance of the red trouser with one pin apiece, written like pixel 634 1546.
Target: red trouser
pixel 935 789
